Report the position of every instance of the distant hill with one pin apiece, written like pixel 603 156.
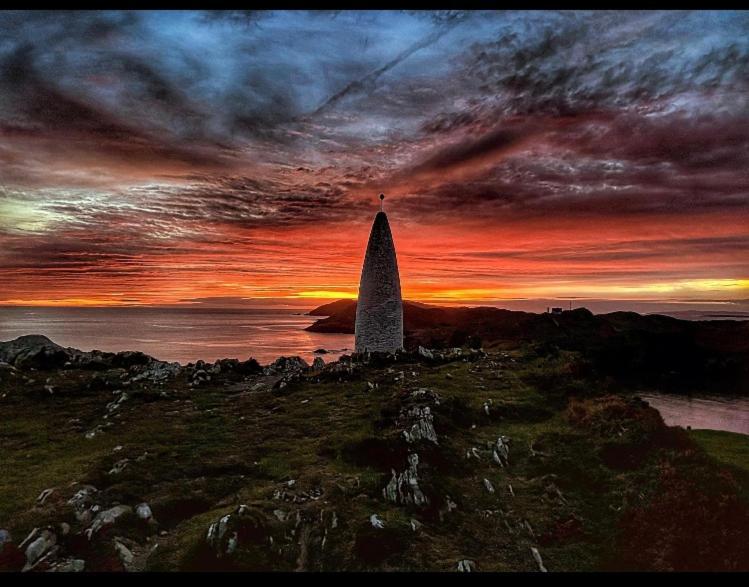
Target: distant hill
pixel 639 349
pixel 332 308
pixel 346 307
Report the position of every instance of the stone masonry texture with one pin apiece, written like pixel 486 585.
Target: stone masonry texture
pixel 379 310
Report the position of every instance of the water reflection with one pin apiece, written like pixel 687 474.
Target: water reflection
pixel 176 334
pixel 710 412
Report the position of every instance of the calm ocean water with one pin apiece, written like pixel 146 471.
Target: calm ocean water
pixel 183 335
pixel 710 412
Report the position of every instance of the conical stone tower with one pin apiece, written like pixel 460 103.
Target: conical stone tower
pixel 379 311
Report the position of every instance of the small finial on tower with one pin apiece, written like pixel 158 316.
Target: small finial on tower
pixel 382 198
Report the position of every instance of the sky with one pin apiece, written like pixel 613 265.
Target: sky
pixel 235 158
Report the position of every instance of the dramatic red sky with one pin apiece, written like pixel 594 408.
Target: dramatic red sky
pixel 236 158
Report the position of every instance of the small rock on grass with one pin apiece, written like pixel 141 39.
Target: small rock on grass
pixel 376 522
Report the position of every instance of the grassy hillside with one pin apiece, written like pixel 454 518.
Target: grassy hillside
pixel 592 480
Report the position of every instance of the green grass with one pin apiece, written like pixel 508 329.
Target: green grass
pixel 225 449
pixel 728 448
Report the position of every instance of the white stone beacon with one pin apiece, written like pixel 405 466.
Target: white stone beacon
pixel 379 310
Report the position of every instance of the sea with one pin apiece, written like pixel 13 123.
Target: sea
pixel 177 334
pixel 189 334
pixel 710 412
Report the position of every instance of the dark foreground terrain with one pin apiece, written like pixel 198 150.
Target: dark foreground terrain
pixel 511 459
pixel 630 349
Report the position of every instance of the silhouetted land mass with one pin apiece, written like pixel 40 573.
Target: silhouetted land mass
pixel 632 349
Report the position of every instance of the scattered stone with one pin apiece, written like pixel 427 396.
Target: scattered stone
pixel 107 518
pixel 466 566
pixel 488 485
pixel 473 453
pixel 125 554
pixel 44 495
pixel 376 522
pixel 199 377
pixel 423 424
pixel 39 547
pixel 537 558
pixel 69 565
pixel 156 371
pixel 226 534
pixel 119 466
pixel 32 536
pixel 424 394
pixel 404 488
pixel 286 366
pixel 426 353
pixel 113 405
pixel 82 502
pixel 94 431
pixel 501 451
pixel 143 511
pixel 415 524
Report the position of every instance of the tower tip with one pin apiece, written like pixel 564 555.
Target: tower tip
pixel 382 198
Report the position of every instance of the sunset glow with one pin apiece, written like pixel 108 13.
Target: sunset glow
pixel 178 158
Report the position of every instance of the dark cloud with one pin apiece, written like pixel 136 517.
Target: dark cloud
pixel 493 143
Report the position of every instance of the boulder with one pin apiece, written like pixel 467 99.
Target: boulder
pixel 244 526
pixel 44 495
pixel 425 353
pixel 143 511
pixel 124 553
pixel 108 518
pixel 404 488
pixel 156 371
pixel 286 366
pixel 199 377
pixel 501 451
pixel 82 502
pixel 376 522
pixel 33 352
pixel 537 558
pixel 40 546
pixel 420 424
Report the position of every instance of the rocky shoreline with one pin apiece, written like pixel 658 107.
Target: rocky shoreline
pixel 455 459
